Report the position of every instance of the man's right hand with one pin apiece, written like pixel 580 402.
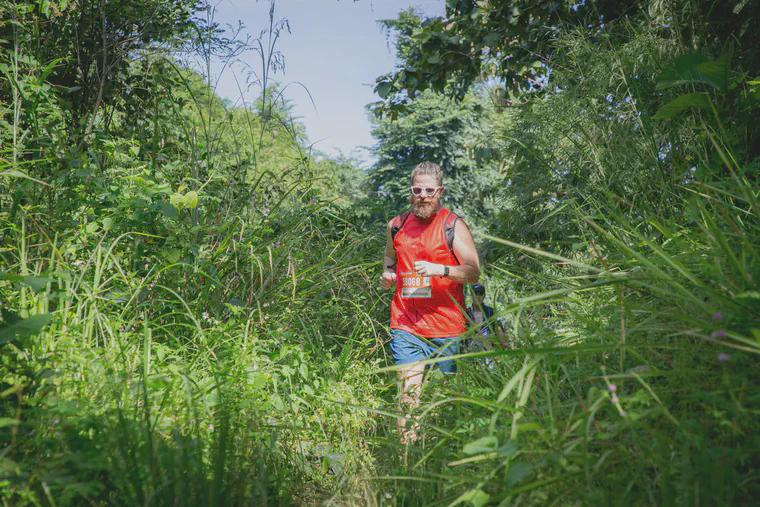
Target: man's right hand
pixel 387 279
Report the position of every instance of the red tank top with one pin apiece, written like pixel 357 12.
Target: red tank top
pixel 426 306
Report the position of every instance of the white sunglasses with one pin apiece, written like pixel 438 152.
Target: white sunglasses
pixel 429 191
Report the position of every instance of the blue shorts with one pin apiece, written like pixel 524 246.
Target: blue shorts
pixel 408 348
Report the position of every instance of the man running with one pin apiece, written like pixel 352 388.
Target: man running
pixel 429 254
pixel 482 315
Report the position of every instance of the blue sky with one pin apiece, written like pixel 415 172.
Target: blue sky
pixel 336 49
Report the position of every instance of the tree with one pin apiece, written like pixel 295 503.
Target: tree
pixel 511 40
pixel 453 134
pixel 90 45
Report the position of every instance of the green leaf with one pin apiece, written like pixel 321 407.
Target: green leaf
pixel 681 104
pixel 190 200
pixel 474 497
pixel 13 173
pixel 37 283
pixel 107 223
pixel 383 89
pixel 174 254
pixel 277 402
pixel 16 327
pixel 517 472
pixel 49 68
pixel 176 200
pixel 508 450
pixel 715 71
pixel 738 7
pixel 481 445
pixel 695 68
pixel 491 39
pixel 750 294
pixel 7 421
pixel 168 210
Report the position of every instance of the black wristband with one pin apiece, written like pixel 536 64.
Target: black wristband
pixel 445 271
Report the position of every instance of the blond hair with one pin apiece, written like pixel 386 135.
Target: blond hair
pixel 428 169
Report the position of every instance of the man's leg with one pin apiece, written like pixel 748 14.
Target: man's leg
pixel 446 347
pixel 408 350
pixel 410 378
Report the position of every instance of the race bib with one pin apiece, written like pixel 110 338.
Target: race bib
pixel 415 286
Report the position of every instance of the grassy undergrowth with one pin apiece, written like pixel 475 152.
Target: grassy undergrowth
pixel 142 389
pixel 631 378
pixel 191 313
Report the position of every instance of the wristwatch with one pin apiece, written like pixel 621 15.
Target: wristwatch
pixel 445 271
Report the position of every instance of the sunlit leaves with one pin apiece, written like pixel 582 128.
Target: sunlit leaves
pixel 182 201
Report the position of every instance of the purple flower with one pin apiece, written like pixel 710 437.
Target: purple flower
pixel 277 245
pixel 623 413
pixel 723 357
pixel 613 388
pixel 717 316
pixel 614 399
pixel 718 334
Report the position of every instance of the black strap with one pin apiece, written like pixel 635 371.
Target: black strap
pixel 449 227
pixel 398 223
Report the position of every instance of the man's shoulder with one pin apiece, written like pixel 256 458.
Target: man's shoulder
pixel 399 220
pixel 401 216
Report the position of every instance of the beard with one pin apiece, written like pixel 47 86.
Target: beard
pixel 425 210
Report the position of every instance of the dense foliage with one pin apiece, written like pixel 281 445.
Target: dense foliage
pixel 190 312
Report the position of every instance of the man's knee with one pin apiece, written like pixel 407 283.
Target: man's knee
pixel 409 398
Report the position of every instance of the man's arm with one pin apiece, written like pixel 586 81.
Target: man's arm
pixel 389 260
pixel 464 248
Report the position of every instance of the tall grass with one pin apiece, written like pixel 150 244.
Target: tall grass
pixel 198 351
pixel 195 403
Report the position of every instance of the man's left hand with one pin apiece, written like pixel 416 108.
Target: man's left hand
pixel 426 268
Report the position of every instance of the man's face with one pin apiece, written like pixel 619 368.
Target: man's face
pixel 424 205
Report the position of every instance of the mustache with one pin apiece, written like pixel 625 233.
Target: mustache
pixel 424 210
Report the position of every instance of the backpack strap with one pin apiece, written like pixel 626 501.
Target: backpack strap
pixel 449 227
pixel 398 223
